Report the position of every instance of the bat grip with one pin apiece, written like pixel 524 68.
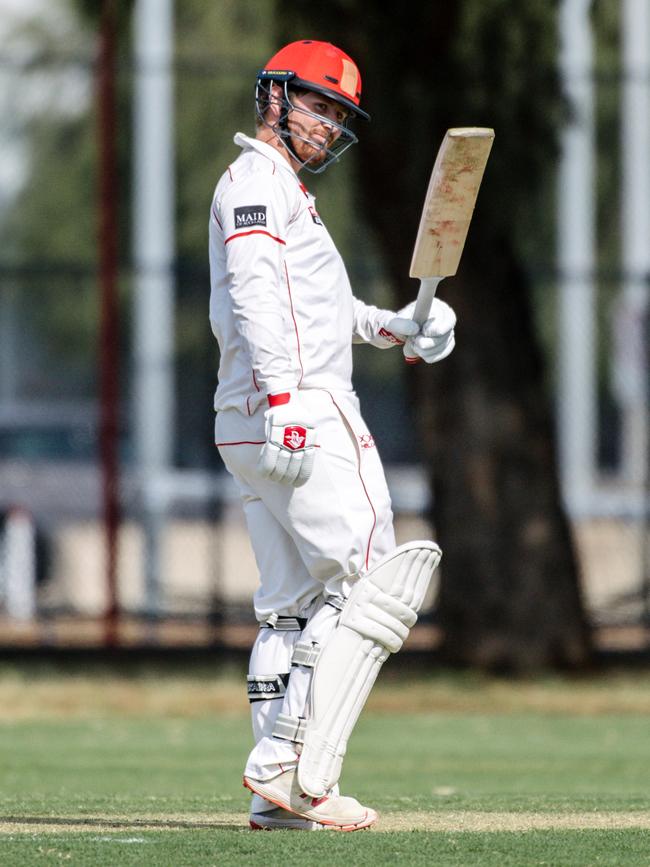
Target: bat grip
pixel 422 311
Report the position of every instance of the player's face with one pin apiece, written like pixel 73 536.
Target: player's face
pixel 312 136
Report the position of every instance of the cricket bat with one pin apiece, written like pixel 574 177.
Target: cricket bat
pixel 446 215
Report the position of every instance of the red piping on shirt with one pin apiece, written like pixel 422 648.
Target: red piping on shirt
pixel 365 490
pixel 295 324
pixel 217 219
pixel 243 443
pixel 251 443
pixel 254 232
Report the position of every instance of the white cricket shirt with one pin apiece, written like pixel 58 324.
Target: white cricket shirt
pixel 281 305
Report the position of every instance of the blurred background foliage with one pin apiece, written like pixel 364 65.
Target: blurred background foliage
pixel 219 48
pixel 51 223
pixel 476 62
pixel 49 231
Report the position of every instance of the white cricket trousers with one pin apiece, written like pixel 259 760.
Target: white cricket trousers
pixel 311 544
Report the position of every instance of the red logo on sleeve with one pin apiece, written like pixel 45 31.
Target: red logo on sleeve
pixel 295 437
pixel 314 216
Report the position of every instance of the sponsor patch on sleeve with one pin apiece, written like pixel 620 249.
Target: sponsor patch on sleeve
pixel 250 215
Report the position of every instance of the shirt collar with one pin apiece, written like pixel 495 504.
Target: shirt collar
pixel 245 141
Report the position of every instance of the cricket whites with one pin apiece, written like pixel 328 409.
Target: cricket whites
pixel 447 212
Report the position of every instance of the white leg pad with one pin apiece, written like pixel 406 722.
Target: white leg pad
pixel 375 621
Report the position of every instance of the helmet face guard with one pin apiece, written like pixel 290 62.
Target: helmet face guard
pixel 264 98
pixel 317 67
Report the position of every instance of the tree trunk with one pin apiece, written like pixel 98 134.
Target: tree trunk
pixel 509 597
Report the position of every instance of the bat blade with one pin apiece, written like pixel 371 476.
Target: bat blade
pixel 446 215
pixel 450 200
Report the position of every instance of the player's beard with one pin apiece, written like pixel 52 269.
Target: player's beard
pixel 306 149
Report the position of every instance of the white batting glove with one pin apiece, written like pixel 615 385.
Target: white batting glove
pixel 288 454
pixel 436 338
pixel 398 329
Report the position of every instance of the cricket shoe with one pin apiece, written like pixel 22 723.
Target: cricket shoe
pixel 337 812
pixel 279 819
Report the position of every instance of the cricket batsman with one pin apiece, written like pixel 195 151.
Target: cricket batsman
pixel 336 595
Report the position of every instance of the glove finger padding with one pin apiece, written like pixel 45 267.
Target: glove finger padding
pixel 292 468
pixel 441 321
pixel 279 465
pixel 276 462
pixel 431 350
pixel 299 468
pixel 267 460
pixel 402 328
pixel 305 468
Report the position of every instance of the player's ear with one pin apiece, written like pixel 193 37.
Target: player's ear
pixel 276 99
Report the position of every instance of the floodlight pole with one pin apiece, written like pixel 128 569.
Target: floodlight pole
pixel 576 260
pixel 634 301
pixel 109 320
pixel 154 251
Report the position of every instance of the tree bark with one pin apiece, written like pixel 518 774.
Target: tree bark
pixel 509 597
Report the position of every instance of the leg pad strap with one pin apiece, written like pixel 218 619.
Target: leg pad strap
pixel 305 653
pixel 290 728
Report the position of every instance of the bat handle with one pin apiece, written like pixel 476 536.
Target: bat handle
pixel 426 294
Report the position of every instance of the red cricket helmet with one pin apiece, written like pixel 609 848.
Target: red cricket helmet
pixel 318 66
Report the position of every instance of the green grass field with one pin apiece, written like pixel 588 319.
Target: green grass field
pixel 145 768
